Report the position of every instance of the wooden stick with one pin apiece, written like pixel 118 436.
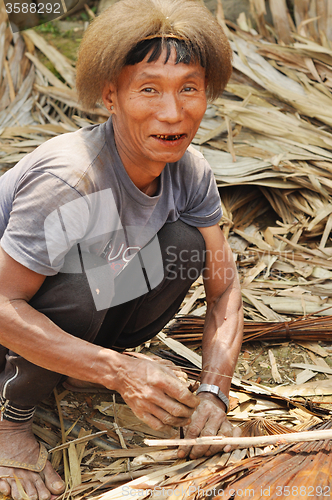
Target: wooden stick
pixel 81 440
pixel 245 442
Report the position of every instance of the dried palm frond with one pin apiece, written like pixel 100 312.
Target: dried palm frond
pixel 260 426
pixel 284 472
pixel 189 330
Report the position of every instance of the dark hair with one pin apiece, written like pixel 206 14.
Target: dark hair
pixel 121 35
pixel 185 53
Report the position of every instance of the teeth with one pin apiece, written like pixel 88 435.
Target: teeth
pixel 169 137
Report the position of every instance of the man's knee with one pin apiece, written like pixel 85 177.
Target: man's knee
pixel 66 300
pixel 183 250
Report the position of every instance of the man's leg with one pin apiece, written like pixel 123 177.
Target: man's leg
pixel 66 299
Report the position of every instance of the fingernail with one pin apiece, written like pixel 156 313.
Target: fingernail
pixel 181 454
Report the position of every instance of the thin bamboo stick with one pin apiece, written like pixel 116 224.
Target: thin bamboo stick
pixel 245 442
pixel 80 440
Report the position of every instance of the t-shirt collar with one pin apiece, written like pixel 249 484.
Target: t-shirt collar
pixel 123 176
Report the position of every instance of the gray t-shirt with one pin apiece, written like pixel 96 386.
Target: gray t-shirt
pixel 74 189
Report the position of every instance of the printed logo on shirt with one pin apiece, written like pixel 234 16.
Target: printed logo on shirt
pixel 118 255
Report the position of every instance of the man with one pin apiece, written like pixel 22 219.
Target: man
pixel 104 230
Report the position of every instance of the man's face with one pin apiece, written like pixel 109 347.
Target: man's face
pixel 157 109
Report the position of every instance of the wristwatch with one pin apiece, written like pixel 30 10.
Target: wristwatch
pixel 214 389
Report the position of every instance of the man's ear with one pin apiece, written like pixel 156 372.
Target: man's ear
pixel 108 96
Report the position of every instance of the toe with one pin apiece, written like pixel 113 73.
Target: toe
pixel 43 492
pixel 4 488
pixel 20 493
pixel 53 481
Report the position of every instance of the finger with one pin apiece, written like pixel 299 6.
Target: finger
pixel 176 370
pixel 166 362
pixel 210 429
pixel 237 431
pixel 169 364
pixel 156 396
pixel 192 432
pixel 229 430
pixel 181 393
pixel 169 419
pixel 155 423
pixel 180 374
pixel 217 448
pixel 168 411
pixel 153 357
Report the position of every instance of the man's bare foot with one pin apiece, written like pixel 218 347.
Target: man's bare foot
pixel 17 442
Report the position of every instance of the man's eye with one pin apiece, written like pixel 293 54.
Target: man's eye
pixel 149 90
pixel 189 89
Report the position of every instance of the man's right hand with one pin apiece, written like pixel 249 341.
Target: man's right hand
pixel 155 393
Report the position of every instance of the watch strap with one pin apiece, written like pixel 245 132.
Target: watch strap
pixel 214 389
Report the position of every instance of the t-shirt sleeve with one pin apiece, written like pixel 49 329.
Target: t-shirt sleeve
pixel 35 235
pixel 203 207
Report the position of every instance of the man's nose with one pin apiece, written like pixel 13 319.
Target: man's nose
pixel 170 109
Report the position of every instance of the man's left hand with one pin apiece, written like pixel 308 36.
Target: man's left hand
pixel 209 419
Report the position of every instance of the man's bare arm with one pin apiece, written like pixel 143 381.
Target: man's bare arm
pixel 222 339
pixel 154 392
pixel 223 329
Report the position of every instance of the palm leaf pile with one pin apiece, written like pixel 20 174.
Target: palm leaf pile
pixel 35 104
pixel 277 473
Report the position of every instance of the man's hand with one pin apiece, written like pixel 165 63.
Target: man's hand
pixel 155 393
pixel 209 419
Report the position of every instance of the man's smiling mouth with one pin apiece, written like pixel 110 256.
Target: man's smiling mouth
pixel 170 137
